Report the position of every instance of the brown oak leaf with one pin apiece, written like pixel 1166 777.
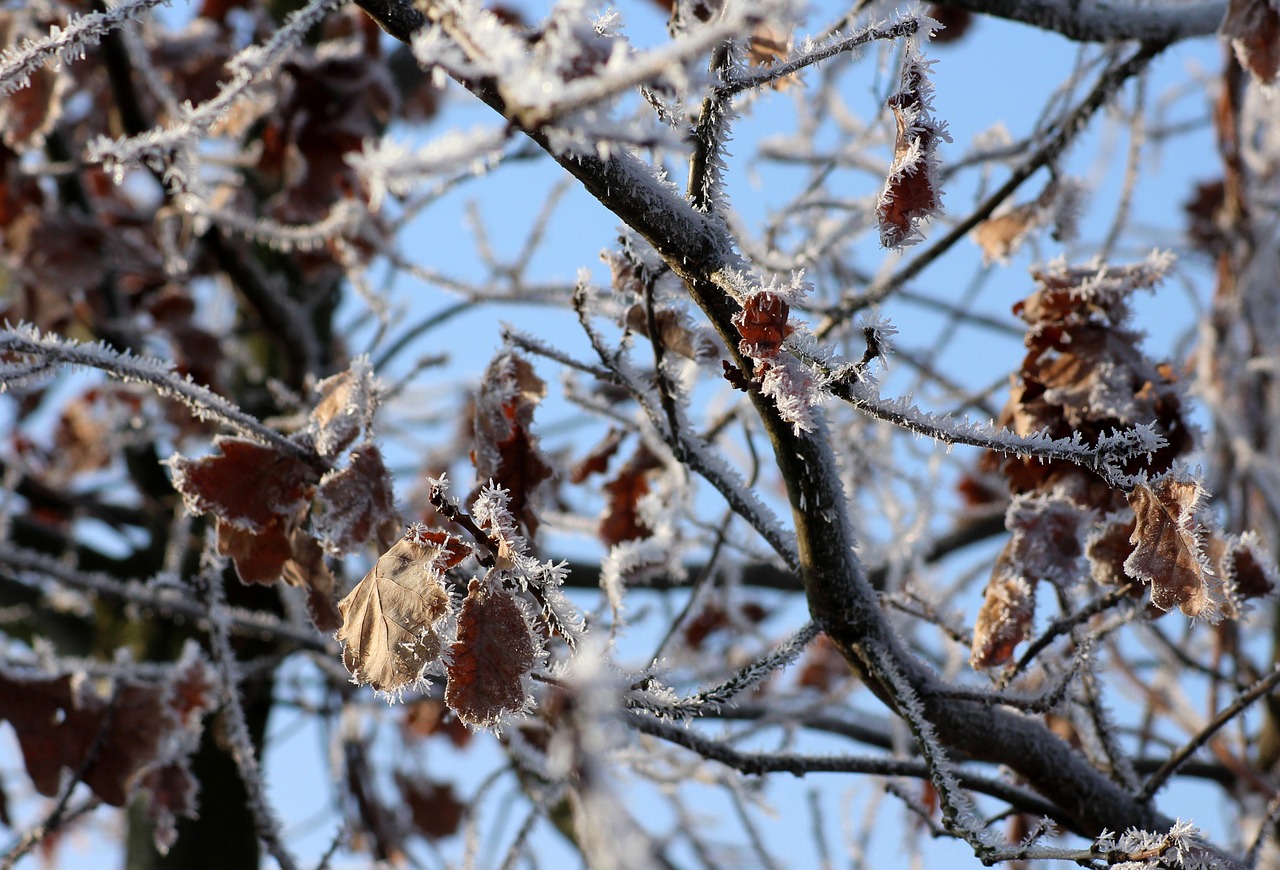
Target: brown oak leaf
pixel 389 619
pixel 1167 553
pixel 245 483
pixel 495 651
pixel 355 503
pixel 435 811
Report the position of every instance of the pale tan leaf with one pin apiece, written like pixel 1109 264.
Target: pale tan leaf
pixel 389 618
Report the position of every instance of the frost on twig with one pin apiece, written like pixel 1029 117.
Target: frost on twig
pixel 66 44
pixel 37 353
pixel 253 64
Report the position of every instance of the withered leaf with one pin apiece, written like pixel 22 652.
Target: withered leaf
pixel 353 503
pixel 1006 616
pixel 621 520
pixel 259 556
pixel 495 651
pixel 1167 553
pixel 1107 550
pixel 307 570
pixel 1046 542
pixel 348 400
pixel 435 811
pixel 245 483
pixel 597 461
pixel 425 717
pixel 113 737
pixel 910 193
pixel 389 618
pixel 1253 26
pixel 762 323
pixel 506 451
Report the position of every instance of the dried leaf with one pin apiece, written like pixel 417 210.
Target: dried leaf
pixel 353 504
pixel 762 323
pixel 425 717
pixel 435 811
pixel 597 461
pixel 1167 553
pixel 259 556
pixel 1046 542
pixel 1107 549
pixel 1001 235
pixel 348 400
pixel 1006 616
pixel 113 738
pixel 496 649
pixel 307 570
pixel 621 519
pixel 1253 26
pixel 768 45
pixel 389 619
pixel 247 484
pixel 910 193
pixel 506 450
pixel 675 331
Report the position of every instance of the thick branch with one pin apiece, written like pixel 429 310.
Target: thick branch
pixel 1094 21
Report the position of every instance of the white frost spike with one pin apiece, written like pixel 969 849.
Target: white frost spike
pixel 388 168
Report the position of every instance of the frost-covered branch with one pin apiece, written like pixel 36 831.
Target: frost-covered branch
pixel 251 65
pixel 26 340
pixel 66 44
pixel 761 763
pixel 1100 21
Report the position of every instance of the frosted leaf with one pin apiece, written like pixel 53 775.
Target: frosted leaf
pixel 1168 550
pixel 911 193
pixel 497 647
pixel 390 619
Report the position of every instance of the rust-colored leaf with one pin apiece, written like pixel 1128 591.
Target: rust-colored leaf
pixel 114 736
pixel 354 503
pixel 495 651
pixel 597 461
pixel 621 520
pixel 259 556
pixel 307 570
pixel 1006 616
pixel 823 667
pixel 425 717
pixel 435 811
pixel 762 323
pixel 1107 549
pixel 1167 553
pixel 910 193
pixel 506 451
pixel 1253 26
pixel 389 618
pixel 245 483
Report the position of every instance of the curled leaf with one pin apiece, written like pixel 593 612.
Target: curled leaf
pixel 1007 613
pixel 1167 553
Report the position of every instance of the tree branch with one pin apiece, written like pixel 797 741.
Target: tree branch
pixel 1093 21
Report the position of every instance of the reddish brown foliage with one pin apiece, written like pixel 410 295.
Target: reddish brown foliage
pixel 762 323
pixel 435 811
pixel 496 650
